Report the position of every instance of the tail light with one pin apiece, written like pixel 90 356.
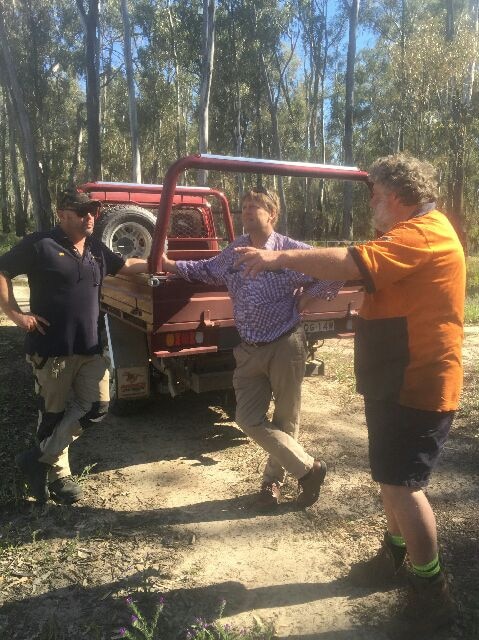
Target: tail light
pixel 181 339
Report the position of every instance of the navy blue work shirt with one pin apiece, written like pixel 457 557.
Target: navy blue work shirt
pixel 64 289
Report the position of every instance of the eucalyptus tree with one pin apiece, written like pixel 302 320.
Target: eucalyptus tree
pixel 417 90
pixel 19 209
pixel 89 11
pixel 460 99
pixel 5 212
pixel 9 78
pixel 353 12
pixel 207 60
pixel 313 17
pixel 275 40
pixel 135 148
pixel 169 70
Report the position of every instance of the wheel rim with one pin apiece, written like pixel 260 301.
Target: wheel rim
pixel 131 240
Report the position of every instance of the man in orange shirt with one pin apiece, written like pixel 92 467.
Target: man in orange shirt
pixel 408 367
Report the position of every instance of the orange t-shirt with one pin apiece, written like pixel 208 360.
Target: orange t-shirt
pixel 410 326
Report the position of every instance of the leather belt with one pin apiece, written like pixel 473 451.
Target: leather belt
pixel 283 335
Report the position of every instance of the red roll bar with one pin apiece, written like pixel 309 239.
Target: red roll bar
pixel 235 165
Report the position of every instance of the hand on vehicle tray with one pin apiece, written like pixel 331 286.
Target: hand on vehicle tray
pixel 168 265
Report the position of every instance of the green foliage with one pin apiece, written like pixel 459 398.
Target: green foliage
pixel 144 628
pixel 472 275
pixel 471 311
pixel 7 241
pixel 413 91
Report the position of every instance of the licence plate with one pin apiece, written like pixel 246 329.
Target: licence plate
pixel 318 326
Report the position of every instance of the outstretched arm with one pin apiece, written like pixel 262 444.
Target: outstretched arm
pixel 333 263
pixel 26 321
pixel 133 266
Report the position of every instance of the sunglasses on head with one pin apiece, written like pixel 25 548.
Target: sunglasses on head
pixel 263 191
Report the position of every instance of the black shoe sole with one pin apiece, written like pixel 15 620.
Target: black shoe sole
pixel 62 500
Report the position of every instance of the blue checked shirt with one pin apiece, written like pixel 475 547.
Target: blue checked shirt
pixel 264 307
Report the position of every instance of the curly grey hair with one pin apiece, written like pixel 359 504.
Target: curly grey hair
pixel 412 180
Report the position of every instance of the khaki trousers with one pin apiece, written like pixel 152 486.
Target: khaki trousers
pixel 275 370
pixel 67 388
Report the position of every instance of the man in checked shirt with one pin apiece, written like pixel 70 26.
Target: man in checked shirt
pixel 270 360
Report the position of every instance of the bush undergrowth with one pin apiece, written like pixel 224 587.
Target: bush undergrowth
pixel 143 627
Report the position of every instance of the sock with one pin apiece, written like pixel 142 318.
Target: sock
pixel 397 547
pixel 429 570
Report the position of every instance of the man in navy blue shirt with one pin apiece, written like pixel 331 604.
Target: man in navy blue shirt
pixel 65 269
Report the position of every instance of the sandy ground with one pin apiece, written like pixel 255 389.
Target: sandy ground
pixel 169 508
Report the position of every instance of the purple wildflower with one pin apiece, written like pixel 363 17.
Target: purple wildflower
pixel 161 599
pixel 122 631
pixel 128 599
pixel 133 619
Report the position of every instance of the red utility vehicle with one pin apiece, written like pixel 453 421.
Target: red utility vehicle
pixel 167 335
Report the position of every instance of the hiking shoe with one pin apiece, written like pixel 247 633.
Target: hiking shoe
pixel 65 490
pixel 269 495
pixel 384 569
pixel 429 608
pixel 311 484
pixel 35 473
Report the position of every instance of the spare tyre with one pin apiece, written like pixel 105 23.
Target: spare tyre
pixel 127 230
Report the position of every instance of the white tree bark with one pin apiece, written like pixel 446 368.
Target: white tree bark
pixel 209 19
pixel 135 146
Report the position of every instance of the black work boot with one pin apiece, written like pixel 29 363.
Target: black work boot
pixel 311 483
pixel 385 569
pixel 35 473
pixel 65 490
pixel 429 608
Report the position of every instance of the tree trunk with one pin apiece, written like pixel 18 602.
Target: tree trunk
pixel 6 227
pixel 400 138
pixel 91 20
pixel 135 147
pixel 450 27
pixel 209 13
pixel 73 174
pixel 19 210
pixel 347 226
pixel 41 202
pixel 276 140
pixel 459 119
pixel 174 52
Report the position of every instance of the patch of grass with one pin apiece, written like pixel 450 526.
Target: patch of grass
pixel 85 474
pixel 471 309
pixel 144 627
pixel 472 275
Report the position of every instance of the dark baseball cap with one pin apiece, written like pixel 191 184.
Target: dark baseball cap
pixel 77 200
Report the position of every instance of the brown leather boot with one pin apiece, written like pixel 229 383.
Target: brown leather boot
pixel 429 608
pixel 311 484
pixel 385 569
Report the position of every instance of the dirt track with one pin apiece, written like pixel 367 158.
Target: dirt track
pixel 168 508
